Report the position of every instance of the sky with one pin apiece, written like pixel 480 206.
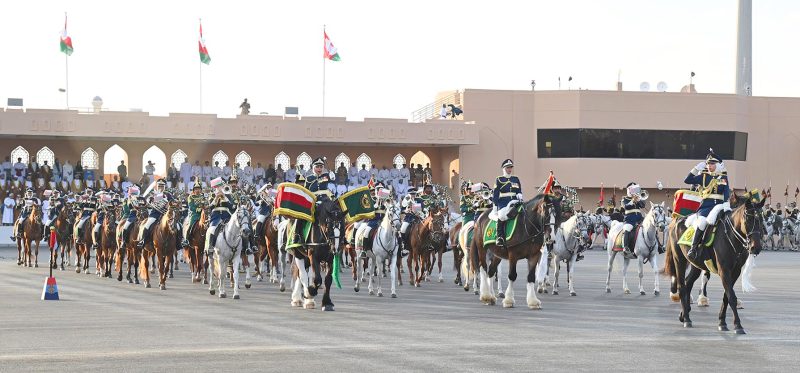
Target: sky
pixel 395 56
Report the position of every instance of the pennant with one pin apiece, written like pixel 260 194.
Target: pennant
pixel 204 56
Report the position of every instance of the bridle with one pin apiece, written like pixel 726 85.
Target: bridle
pixel 744 240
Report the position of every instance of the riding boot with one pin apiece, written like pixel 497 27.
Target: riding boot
pixel 501 233
pixel 259 230
pixel 95 240
pixel 146 236
pixel 213 239
pixel 694 252
pixel 629 244
pixel 126 233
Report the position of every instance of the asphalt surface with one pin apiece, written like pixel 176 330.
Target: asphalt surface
pixel 105 325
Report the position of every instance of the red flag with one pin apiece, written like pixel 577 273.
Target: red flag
pixel 602 196
pixel 371 183
pixel 549 184
pixel 204 56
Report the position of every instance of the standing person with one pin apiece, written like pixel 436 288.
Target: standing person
pixel 8 209
pixel 186 171
pixel 712 180
pixel 7 167
pixel 150 170
pixel 208 173
pixel 227 171
pixel 216 171
pixel 197 174
pixel 363 175
pixel 454 180
pixel 507 193
pixel 352 173
pixel 245 106
pixel 67 172
pixel 291 174
pixel 79 171
pixel 427 171
pixel 20 170
pixel 33 166
pixel 57 170
pixel 443 112
pixel 248 173
pixel 394 177
pixel 280 174
pixel 341 174
pixel 373 172
pixel 270 174
pixel 404 175
pixel 259 174
pixel 122 170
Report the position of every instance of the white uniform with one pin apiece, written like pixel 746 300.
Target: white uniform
pixel 67 172
pixel 208 173
pixel 8 210
pixel 248 174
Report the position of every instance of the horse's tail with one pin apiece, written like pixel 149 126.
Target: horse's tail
pixel 669 262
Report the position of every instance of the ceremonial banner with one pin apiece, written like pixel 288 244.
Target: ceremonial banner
pixel 295 201
pixel 357 204
pixel 686 202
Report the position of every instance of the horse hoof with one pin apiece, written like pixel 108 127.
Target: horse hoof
pixel 723 328
pixel 371 292
pixel 656 293
pixel 394 295
pixel 282 288
pixel 147 286
pixel 78 270
pixel 356 289
pixel 546 291
pixel 223 295
pixel 687 324
pixel 740 331
pixel 170 275
pixel 247 286
pixel 296 303
pixel 573 294
pixel 130 281
pixel 162 287
pixel 476 292
pixel 205 282
pixel 540 291
pixel 440 280
pixel 608 291
pixel 501 295
pixel 380 295
pixel 416 284
pixel 674 297
pixel 327 308
pixel 627 291
pixel 119 279
pixel 642 292
pixel 466 288
pixel 555 292
pixel 136 282
pixel 36 265
pixel 236 296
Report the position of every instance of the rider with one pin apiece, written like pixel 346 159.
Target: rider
pixel 30 201
pixel 129 206
pixel 713 181
pixel 158 207
pixel 467 203
pixel 57 203
pixel 104 202
pixel 195 203
pixel 220 211
pixel 263 209
pixel 88 205
pixel 633 206
pixel 317 183
pixel 380 196
pixel 507 193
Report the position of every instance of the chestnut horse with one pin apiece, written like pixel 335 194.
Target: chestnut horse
pixel 162 246
pixel 108 244
pixel 63 238
pixel 129 249
pixel 268 249
pixel 426 238
pixel 32 232
pixel 195 252
pixel 83 250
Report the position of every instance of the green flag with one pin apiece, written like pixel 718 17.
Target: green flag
pixel 357 204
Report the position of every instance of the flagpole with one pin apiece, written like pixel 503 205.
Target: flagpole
pixel 66 64
pixel 323 72
pixel 200 63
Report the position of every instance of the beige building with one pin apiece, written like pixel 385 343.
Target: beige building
pixel 585 137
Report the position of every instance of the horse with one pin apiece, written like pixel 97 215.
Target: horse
pixel 267 256
pixel 228 251
pixel 790 229
pixel 738 237
pixel 536 217
pixel 385 246
pixel 162 246
pixel 601 224
pixel 776 226
pixel 82 250
pixel 570 238
pixel 426 238
pixel 107 245
pixel 63 238
pixel 647 247
pixel 195 252
pixel 32 232
pixel 129 249
pixel 312 254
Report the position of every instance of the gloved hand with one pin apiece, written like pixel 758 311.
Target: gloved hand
pixel 519 196
pixel 698 169
pixel 726 206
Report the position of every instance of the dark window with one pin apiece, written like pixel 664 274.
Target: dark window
pixel 600 143
pixel 639 144
pixel 558 143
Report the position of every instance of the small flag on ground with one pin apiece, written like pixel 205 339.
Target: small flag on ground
pixel 50 290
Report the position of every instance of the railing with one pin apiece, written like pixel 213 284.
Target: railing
pixel 433 109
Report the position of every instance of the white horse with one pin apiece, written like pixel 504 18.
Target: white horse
pixel 791 230
pixel 228 251
pixel 384 247
pixel 646 248
pixel 568 241
pixel 600 222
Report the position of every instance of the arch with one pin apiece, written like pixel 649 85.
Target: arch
pixel 90 160
pixel 364 159
pixel 399 161
pixel 111 159
pixel 305 160
pixel 283 160
pixel 242 158
pixel 341 158
pixel 220 157
pixel 420 158
pixel 177 158
pixel 159 159
pixel 45 154
pixel 20 152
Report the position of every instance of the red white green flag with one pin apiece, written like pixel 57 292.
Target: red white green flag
pixel 66 41
pixel 204 56
pixel 294 200
pixel 330 51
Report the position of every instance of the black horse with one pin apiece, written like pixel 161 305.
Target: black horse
pixel 319 248
pixel 739 234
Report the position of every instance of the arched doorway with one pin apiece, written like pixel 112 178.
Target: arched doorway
pixel 399 161
pixel 111 160
pixel 156 155
pixel 341 158
pixel 420 158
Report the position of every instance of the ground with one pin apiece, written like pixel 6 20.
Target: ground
pixel 105 325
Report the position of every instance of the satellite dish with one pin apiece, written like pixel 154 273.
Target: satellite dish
pixel 662 87
pixel 644 87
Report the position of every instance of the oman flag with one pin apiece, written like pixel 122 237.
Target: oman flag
pixel 294 200
pixel 204 56
pixel 330 51
pixel 66 41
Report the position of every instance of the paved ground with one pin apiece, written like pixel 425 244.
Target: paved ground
pixel 105 325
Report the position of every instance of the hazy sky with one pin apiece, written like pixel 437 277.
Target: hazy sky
pixel 395 55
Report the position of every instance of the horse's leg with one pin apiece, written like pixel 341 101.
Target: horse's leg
pixel 625 263
pixel 247 279
pixel 393 271
pixel 297 285
pixel 237 261
pixel 372 268
pixel 508 299
pixel 210 273
pixel 571 273
pixel 145 264
pixel 499 278
pixel 556 272
pixel 728 279
pixel 702 300
pixel 439 263
pixel 494 273
pixel 686 293
pixel 381 269
pixel 36 255
pixel 654 266
pixel 640 263
pixel 533 260
pixel 327 303
pixel 611 255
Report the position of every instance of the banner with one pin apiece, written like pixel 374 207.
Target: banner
pixel 357 204
pixel 295 201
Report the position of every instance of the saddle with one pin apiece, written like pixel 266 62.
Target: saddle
pixel 618 240
pixel 490 232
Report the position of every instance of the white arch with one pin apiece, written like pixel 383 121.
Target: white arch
pixel 305 160
pixel 364 159
pixel 90 160
pixel 159 159
pixel 242 158
pixel 341 158
pixel 45 154
pixel 220 157
pixel 282 159
pixel 20 152
pixel 177 158
pixel 420 158
pixel 399 161
pixel 111 159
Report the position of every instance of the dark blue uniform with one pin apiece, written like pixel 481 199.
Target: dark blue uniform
pixel 633 210
pixel 713 188
pixel 506 189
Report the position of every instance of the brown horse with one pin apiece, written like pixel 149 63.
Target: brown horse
pixel 129 249
pixel 31 232
pixel 268 248
pixel 63 238
pixel 107 246
pixel 458 254
pixel 195 252
pixel 83 250
pixel 162 245
pixel 426 238
pixel 533 225
pixel 739 234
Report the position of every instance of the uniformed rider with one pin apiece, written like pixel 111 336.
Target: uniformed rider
pixel 507 194
pixel 157 208
pixel 317 183
pixel 129 206
pixel 467 203
pixel 29 201
pixel 195 203
pixel 632 204
pixel 88 204
pixel 57 203
pixel 381 195
pixel 712 180
pixel 221 208
pixel 264 207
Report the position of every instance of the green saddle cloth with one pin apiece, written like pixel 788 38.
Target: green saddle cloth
pixel 490 234
pixel 687 238
pixel 291 240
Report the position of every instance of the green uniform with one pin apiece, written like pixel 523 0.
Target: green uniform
pixel 467 210
pixel 196 205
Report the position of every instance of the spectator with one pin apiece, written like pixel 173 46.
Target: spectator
pixel 8 209
pixel 216 171
pixel 20 170
pixel 352 173
pixel 57 171
pixel 405 176
pixel 443 112
pixel 373 173
pixel 419 175
pixel 291 174
pixel 122 170
pixel 455 111
pixel 341 174
pixel 208 172
pixel 150 170
pixel 34 168
pixel 67 172
pixel 78 173
pixel 280 175
pixel 270 174
pixel 363 175
pixel 6 168
pixel 186 171
pixel 172 175
pixel 454 182
pixel 427 170
pixel 248 173
pixel 245 106
pixel 47 172
pixel 227 171
pixel 259 174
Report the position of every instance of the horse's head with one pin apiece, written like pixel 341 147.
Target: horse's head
pixel 329 215
pixel 542 214
pixel 659 216
pixel 393 215
pixel 435 223
pixel 748 222
pixel 243 221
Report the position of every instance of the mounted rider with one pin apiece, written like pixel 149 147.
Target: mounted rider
pixel 105 201
pixel 381 194
pixel 158 205
pixel 129 206
pixel 29 201
pixel 632 204
pixel 221 210
pixel 264 207
pixel 409 202
pixel 483 202
pixel 88 205
pixel 317 183
pixel 57 203
pixel 507 194
pixel 195 203
pixel 467 203
pixel 714 188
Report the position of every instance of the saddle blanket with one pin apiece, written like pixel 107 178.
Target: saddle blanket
pixel 618 240
pixel 291 237
pixel 687 238
pixel 490 234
